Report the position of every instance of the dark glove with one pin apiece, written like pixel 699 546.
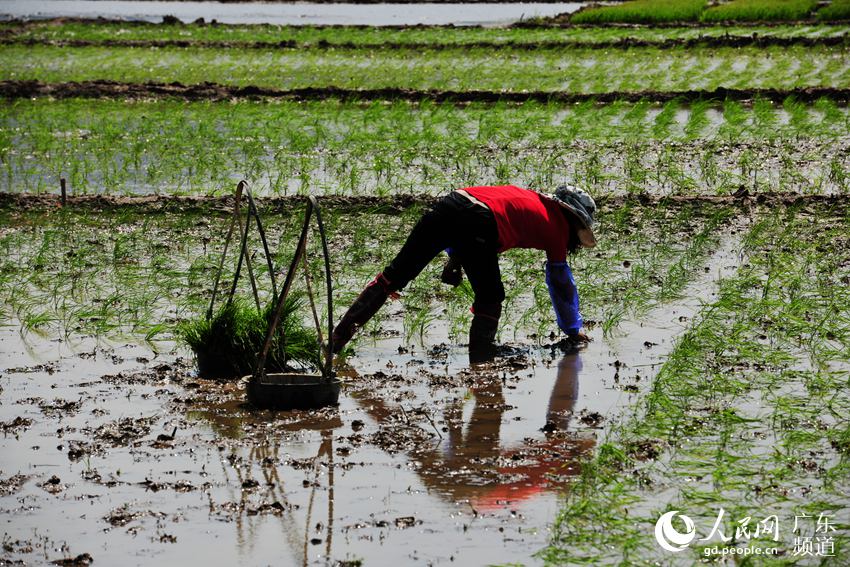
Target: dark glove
pixel 452 272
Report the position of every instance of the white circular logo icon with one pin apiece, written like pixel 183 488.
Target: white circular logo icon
pixel 671 539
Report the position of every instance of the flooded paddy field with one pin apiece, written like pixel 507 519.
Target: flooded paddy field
pixel 706 422
pixel 115 447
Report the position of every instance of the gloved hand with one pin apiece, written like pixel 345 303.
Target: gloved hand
pixel 452 272
pixel 564 295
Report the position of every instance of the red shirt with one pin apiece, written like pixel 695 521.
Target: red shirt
pixel 526 219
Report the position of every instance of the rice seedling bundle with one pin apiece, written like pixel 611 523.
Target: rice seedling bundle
pixel 227 344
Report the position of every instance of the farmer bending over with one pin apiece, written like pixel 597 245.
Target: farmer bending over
pixel 474 225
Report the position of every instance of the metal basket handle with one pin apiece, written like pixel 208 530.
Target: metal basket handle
pixel 236 219
pixel 327 370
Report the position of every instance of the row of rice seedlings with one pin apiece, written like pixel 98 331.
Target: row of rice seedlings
pixel 723 419
pixel 642 12
pixel 310 35
pixel 47 128
pixel 331 147
pixel 703 168
pixel 760 10
pixel 120 275
pixel 604 169
pixel 580 70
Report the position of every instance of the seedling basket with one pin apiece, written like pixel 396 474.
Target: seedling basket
pixel 283 390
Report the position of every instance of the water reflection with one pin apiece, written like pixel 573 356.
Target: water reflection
pixel 471 464
pixel 291 455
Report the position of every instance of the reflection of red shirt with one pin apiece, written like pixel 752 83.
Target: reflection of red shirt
pixel 526 219
pixel 554 460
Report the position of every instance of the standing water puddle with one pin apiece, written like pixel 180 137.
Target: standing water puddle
pixel 426 460
pixel 291 14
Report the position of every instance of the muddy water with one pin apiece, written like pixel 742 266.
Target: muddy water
pixel 293 14
pixel 115 451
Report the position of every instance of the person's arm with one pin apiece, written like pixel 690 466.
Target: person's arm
pixel 564 295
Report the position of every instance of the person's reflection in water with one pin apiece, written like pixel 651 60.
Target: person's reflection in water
pixel 469 464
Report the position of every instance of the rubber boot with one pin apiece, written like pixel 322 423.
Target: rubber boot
pixel 482 332
pixel 364 307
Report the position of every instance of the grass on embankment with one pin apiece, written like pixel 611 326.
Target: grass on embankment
pixel 835 10
pixel 655 11
pixel 760 10
pixel 749 414
pixel 642 12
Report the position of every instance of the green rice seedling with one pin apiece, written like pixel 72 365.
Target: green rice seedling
pixel 697 119
pixel 731 425
pixel 758 10
pixel 838 174
pixel 764 119
pixel 229 343
pixel 664 121
pixel 642 12
pixel 735 119
pixel 836 10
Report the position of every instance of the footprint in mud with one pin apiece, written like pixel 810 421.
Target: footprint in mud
pixel 12 484
pixel 123 431
pixel 53 485
pixel 81 560
pixel 592 419
pixel 14 425
pixel 59 407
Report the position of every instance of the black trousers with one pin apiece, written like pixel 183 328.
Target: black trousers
pixel 470 231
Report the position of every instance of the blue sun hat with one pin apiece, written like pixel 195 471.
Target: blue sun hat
pixel 583 208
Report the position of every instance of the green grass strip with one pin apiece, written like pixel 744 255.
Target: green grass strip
pixel 642 12
pixel 835 10
pixel 760 10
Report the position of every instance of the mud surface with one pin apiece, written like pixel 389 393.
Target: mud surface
pixel 624 43
pixel 118 454
pixel 218 92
